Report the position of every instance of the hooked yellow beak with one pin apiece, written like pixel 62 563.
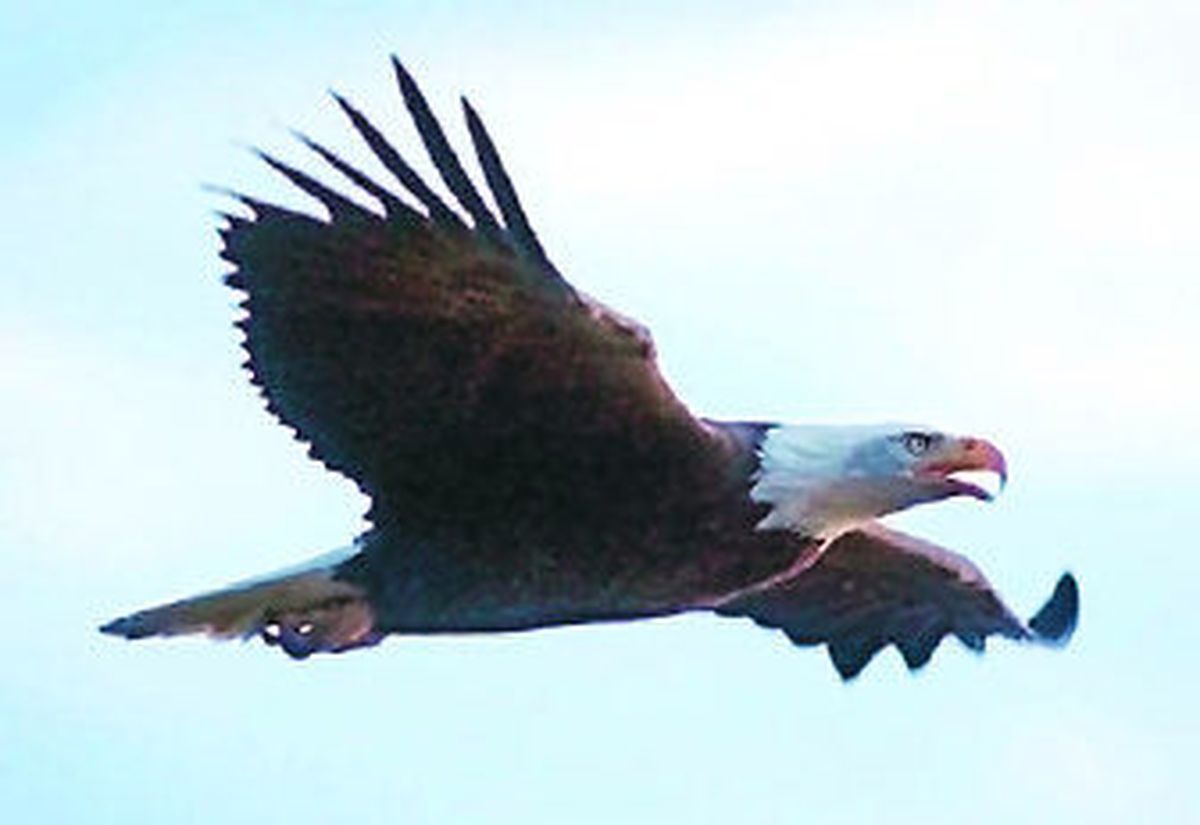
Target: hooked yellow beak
pixel 959 455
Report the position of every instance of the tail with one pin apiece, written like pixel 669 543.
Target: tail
pixel 303 609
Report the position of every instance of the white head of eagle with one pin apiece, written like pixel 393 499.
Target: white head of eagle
pixel 821 480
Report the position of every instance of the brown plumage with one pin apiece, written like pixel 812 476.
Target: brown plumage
pixel 526 463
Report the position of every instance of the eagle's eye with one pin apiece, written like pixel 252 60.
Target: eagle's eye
pixel 918 443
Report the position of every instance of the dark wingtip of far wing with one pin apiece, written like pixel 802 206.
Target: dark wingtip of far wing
pixel 1057 619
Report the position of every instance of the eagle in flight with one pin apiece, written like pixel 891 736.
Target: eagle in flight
pixel 527 464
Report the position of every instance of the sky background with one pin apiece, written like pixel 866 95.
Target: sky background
pixel 980 216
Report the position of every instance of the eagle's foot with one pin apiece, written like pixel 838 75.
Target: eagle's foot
pixel 330 627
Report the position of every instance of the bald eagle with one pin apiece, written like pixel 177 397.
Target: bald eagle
pixel 528 466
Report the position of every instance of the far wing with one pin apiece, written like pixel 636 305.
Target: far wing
pixel 875 586
pixel 434 355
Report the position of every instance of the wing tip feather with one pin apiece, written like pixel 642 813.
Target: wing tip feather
pixel 1057 619
pixel 402 74
pixel 339 206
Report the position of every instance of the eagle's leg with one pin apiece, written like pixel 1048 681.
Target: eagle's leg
pixel 331 627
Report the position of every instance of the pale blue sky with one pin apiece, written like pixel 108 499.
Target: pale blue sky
pixel 981 216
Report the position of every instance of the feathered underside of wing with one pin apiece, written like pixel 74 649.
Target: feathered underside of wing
pixel 441 361
pixel 875 586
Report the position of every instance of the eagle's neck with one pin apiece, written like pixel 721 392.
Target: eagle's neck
pixel 819 482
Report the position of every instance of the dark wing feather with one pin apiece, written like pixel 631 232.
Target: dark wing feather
pixel 874 586
pixel 340 207
pixel 502 189
pixel 449 371
pixel 439 212
pixel 395 208
pixel 444 159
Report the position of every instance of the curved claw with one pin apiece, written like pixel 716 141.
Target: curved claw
pixel 333 627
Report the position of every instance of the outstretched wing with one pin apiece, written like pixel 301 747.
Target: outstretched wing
pixel 436 357
pixel 875 586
